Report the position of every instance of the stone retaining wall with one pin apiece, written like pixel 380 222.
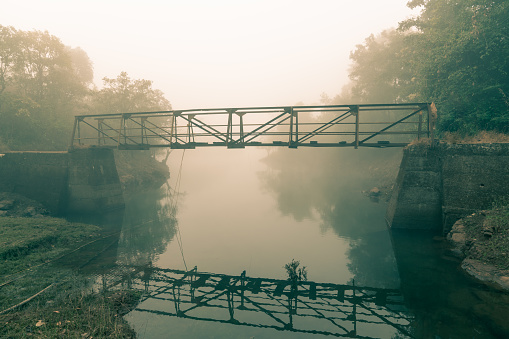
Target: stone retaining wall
pixel 81 181
pixel 437 186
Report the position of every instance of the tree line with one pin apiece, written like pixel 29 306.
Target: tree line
pixel 44 84
pixel 454 53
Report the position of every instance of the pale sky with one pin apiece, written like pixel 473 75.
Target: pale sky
pixel 217 53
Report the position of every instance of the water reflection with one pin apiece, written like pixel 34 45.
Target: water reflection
pixel 304 307
pixel 328 185
pixel 446 304
pixel 149 225
pixel 135 235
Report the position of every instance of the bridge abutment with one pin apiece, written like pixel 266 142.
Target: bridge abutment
pixel 437 186
pixel 80 181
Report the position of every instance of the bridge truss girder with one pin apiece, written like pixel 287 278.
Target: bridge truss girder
pixel 392 125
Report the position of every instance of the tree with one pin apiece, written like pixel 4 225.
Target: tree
pixel 463 61
pixel 455 53
pixel 124 95
pixel 382 69
pixel 40 90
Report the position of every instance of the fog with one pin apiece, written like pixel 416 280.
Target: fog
pixel 205 54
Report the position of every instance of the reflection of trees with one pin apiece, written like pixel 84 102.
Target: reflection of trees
pixel 328 183
pixel 148 226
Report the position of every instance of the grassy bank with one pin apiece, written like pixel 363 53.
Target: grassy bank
pixel 41 295
pixel 488 236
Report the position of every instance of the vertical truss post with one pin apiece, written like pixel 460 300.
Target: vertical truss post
pixel 124 118
pixel 120 130
pixel 100 131
pixel 190 132
pixel 229 128
pixel 294 128
pixel 432 120
pixel 76 122
pixel 289 326
pixel 241 137
pixel 174 130
pixel 354 314
pixel 242 288
pixel 231 306
pixel 144 136
pixel 419 128
pixel 176 300
pixel 355 112
pixel 79 132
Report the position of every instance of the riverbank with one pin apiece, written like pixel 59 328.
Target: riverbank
pixel 481 240
pixel 42 296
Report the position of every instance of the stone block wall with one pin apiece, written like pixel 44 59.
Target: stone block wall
pixel 93 182
pixel 417 197
pixel 437 186
pixel 80 181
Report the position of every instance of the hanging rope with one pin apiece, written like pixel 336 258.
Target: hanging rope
pixel 176 191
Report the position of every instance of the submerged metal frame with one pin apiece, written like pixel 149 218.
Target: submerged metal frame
pixel 328 126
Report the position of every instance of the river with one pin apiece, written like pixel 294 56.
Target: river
pixel 224 212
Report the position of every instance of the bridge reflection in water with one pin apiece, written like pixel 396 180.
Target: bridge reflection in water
pixel 337 310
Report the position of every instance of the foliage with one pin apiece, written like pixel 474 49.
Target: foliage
pixel 40 89
pixel 44 84
pixel 123 94
pixel 296 273
pixel 455 53
pixel 489 235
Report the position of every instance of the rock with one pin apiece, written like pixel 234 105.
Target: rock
pixel 487 274
pixel 30 211
pixel 458 240
pixel 375 192
pixel 488 229
pixel 6 205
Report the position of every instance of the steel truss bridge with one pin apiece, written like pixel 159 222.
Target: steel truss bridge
pixel 299 306
pixel 376 125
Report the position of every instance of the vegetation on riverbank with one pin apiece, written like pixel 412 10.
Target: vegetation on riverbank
pixel 41 296
pixel 139 170
pixel 487 235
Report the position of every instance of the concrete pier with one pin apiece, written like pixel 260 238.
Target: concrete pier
pixel 437 186
pixel 80 181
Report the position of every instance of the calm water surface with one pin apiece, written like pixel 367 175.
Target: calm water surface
pixel 255 210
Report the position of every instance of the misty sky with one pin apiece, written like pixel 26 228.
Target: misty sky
pixel 216 53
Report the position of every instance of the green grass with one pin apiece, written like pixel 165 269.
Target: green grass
pixel 33 255
pixel 28 242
